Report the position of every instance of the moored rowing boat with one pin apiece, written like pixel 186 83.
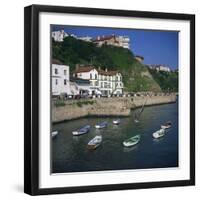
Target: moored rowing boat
pixel 132 141
pixel 54 134
pixel 81 131
pixel 95 142
pixel 116 121
pixel 166 125
pixel 159 133
pixel 101 125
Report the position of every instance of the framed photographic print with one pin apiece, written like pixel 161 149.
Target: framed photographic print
pixel 109 99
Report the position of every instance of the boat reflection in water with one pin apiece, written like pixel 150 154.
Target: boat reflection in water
pixel 129 149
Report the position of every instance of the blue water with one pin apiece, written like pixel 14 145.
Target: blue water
pixel 69 153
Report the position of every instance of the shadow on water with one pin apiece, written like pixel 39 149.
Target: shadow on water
pixel 70 153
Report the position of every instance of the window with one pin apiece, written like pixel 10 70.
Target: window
pixel 90 76
pixel 65 72
pixel 56 71
pixel 95 76
pixel 56 81
pixel 65 82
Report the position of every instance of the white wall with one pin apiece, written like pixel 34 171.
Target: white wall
pixel 58 86
pixel 86 75
pixel 11 101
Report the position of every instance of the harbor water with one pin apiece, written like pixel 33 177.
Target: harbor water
pixel 70 153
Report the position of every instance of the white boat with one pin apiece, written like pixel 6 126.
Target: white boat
pixel 132 141
pixel 54 134
pixel 166 125
pixel 136 120
pixel 116 121
pixel 101 125
pixel 81 131
pixel 95 142
pixel 159 133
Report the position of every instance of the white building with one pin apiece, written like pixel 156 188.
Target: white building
pixel 86 38
pixel 113 40
pixel 59 35
pixel 158 68
pixel 60 78
pixel 124 41
pixel 79 86
pixel 163 68
pixel 101 81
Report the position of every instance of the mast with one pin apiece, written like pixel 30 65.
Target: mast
pixel 142 109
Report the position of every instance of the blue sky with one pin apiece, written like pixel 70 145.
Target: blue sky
pixel 157 47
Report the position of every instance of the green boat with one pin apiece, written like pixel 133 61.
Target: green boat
pixel 132 141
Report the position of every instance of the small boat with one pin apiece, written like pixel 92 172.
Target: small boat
pixel 136 120
pixel 54 134
pixel 82 131
pixel 166 125
pixel 159 133
pixel 132 141
pixel 116 121
pixel 101 125
pixel 95 142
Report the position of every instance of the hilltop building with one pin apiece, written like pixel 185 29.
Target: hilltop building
pixel 113 40
pixel 59 35
pixel 139 58
pixel 101 81
pixel 60 78
pixel 85 38
pixel 158 68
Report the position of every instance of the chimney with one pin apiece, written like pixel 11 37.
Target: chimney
pixel 99 68
pixel 106 69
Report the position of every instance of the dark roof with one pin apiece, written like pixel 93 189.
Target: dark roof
pixel 56 61
pixel 84 69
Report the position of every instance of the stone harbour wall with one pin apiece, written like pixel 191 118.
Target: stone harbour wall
pixel 116 106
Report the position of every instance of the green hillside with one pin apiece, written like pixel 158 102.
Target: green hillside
pixel 168 81
pixel 136 76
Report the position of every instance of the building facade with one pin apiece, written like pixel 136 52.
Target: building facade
pixel 113 40
pixel 79 86
pixel 59 36
pixel 102 82
pixel 158 68
pixel 60 81
pixel 163 68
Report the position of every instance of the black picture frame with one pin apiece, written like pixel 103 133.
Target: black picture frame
pixel 31 98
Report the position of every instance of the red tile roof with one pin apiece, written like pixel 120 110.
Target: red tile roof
pixel 56 61
pixel 84 69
